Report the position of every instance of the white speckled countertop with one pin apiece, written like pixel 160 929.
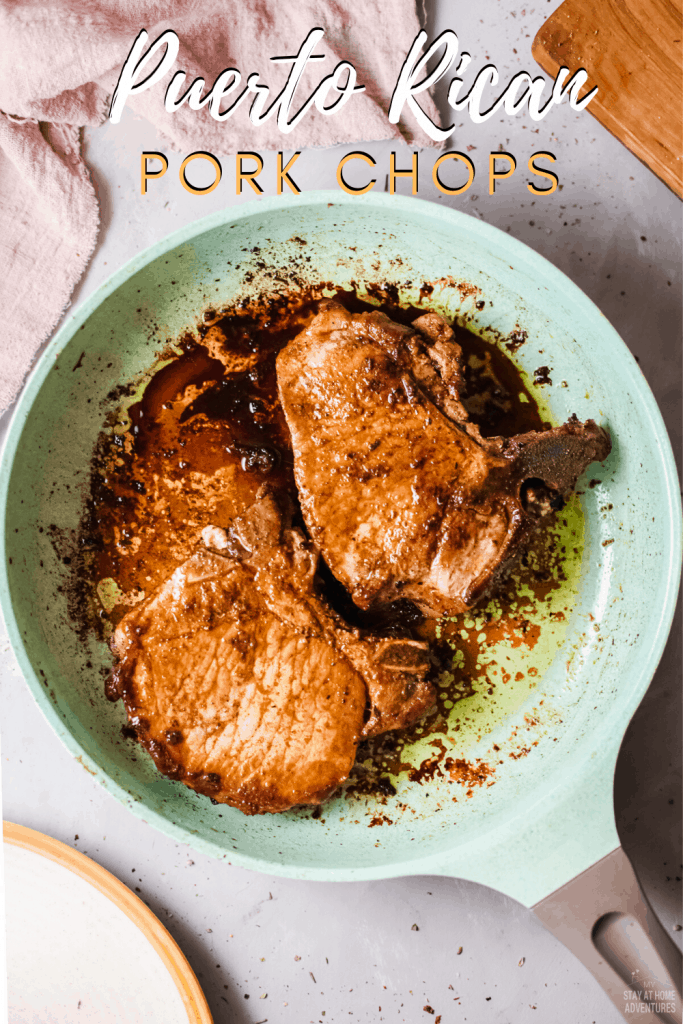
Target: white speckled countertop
pixel 268 949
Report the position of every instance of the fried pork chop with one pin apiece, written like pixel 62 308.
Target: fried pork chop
pixel 399 491
pixel 241 682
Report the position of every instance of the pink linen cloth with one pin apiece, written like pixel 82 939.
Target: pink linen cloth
pixel 59 63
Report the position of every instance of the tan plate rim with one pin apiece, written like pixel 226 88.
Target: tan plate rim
pixel 174 960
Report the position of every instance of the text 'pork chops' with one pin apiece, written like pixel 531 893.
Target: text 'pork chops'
pixel 399 491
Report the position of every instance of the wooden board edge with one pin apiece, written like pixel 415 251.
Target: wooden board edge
pixel 551 66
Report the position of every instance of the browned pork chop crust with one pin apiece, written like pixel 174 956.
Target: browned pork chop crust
pixel 240 682
pixel 400 493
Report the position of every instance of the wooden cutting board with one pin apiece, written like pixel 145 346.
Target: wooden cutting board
pixel 632 51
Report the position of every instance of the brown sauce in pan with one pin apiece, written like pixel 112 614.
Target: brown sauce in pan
pixel 205 436
pixel 208 431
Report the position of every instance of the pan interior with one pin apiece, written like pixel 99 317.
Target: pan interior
pixel 596 635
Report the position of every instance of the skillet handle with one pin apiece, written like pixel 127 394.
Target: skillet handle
pixel 603 917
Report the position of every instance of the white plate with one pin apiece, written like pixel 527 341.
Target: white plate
pixel 82 948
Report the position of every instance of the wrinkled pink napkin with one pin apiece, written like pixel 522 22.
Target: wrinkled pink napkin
pixel 59 63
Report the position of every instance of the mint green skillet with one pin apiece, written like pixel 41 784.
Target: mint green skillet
pixel 549 816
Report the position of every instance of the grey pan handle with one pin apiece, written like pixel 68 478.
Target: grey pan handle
pixel 603 917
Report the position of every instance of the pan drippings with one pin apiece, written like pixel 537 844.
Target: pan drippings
pixel 209 433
